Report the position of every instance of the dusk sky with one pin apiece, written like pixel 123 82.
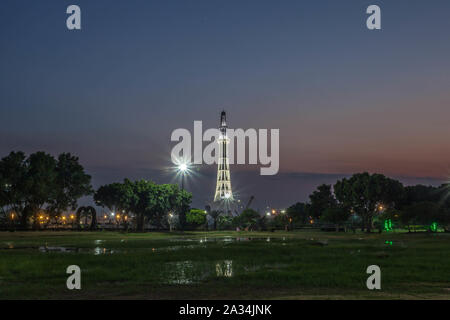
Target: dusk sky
pixel 346 99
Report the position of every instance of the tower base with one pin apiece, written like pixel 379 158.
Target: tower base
pixel 225 207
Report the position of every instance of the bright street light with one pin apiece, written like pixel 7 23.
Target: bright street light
pixel 182 167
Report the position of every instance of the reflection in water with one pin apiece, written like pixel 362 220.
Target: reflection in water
pixel 180 245
pixel 55 249
pixel 96 251
pixel 174 248
pixel 99 251
pixel 180 272
pixel 224 269
pixel 188 272
pixel 226 239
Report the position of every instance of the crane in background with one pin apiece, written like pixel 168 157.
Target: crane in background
pixel 249 202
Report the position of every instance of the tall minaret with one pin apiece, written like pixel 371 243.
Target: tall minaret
pixel 223 188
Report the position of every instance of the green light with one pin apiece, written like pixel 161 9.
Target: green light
pixel 434 226
pixel 388 242
pixel 388 224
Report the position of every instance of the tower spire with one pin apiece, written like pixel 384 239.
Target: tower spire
pixel 223 186
pixel 223 120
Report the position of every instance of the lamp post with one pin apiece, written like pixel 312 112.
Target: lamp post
pixel 182 168
pixel 170 221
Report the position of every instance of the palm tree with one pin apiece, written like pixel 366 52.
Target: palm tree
pixel 214 214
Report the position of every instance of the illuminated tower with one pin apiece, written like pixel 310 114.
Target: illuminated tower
pixel 223 187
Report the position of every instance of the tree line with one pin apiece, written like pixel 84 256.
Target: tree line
pixel 39 189
pixel 364 201
pixel 146 201
pixel 371 200
pixel 40 183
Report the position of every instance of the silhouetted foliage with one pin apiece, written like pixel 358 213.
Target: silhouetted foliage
pixel 248 219
pixel 39 183
pixel 145 199
pixel 299 213
pixel 321 200
pixel 364 192
pixel 196 217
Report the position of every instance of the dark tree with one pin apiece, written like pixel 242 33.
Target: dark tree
pixel 215 215
pixel 141 198
pixel 298 212
pixel 71 182
pixel 144 199
pixel 169 198
pixel 196 217
pixel 248 219
pixel 41 183
pixel 364 193
pixel 87 212
pixel 183 203
pixel 337 215
pixel 424 213
pixel 421 193
pixel 13 171
pixel 111 196
pixel 321 200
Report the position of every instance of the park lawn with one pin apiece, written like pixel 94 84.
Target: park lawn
pixel 224 265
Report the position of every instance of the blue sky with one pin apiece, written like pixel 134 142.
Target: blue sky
pixel 345 99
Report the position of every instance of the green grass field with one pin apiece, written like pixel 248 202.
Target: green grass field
pixel 224 265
